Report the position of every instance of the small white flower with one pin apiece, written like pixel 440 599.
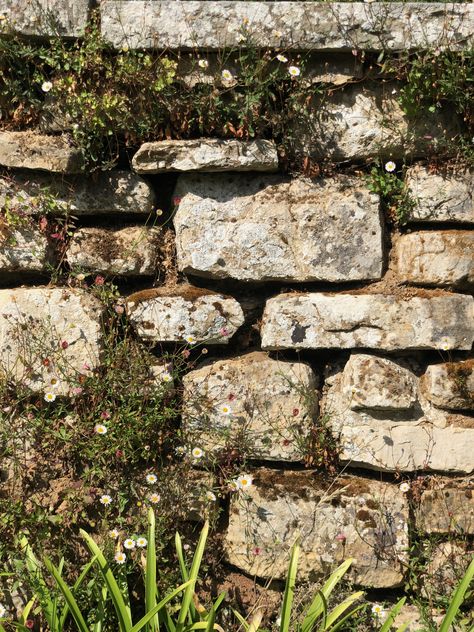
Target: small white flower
pixel 390 166
pixel 100 429
pixel 233 486
pixel 46 86
pixel 49 397
pixel 294 71
pixel 203 63
pixel 114 533
pixel 445 346
pixel 105 499
pixel 377 610
pixel 129 544
pixel 244 481
pixel 166 377
pixel 3 611
pixel 125 49
pixel 142 542
pixel 282 58
pixel 154 498
pixel 226 75
pixel 211 496
pixel 80 277
pixel 225 410
pixel 120 558
pixel 404 487
pixel 278 621
pixel 180 450
pixel 151 478
pixel 197 453
pixel 190 339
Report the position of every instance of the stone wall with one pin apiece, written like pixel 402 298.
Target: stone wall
pixel 317 312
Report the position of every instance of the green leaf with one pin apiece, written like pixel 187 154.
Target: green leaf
pixel 241 620
pixel 68 596
pixel 75 588
pixel 149 616
pixel 150 572
pixel 289 588
pixel 39 585
pixel 392 614
pixel 340 609
pixel 193 574
pixel 457 599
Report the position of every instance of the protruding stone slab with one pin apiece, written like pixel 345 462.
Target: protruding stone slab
pixel 184 314
pixel 450 385
pixel 262 406
pixel 23 249
pixel 444 257
pixel 288 25
pixel 334 519
pixel 109 192
pixel 67 18
pixel 130 251
pixel 373 321
pixel 266 229
pixel 447 508
pixel 49 337
pixel 440 197
pixel 206 154
pixel 28 150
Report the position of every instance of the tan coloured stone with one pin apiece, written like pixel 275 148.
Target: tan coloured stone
pixel 444 257
pixel 373 321
pixel 447 564
pixel 134 250
pixel 263 407
pixel 450 385
pixel 440 197
pixel 267 228
pixel 184 314
pixel 28 150
pixel 205 154
pixel 67 18
pixel 447 508
pixel 49 337
pixel 23 249
pixel 334 519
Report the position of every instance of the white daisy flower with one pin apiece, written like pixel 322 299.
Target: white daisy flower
pixel 445 346
pixel 151 478
pixel 49 397
pixel 180 450
pixel 120 557
pixel 54 381
pixel 3 611
pixel 294 71
pixel 225 409
pixel 105 499
pixel 211 496
pixel 154 498
pixel 390 166
pixel 80 277
pixel 114 533
pixel 142 542
pixel 197 453
pixel 190 339
pixel 404 487
pixel 282 58
pixel 244 481
pixel 100 429
pixel 377 610
pixel 166 377
pixel 129 544
pixel 226 75
pixel 203 63
pixel 46 86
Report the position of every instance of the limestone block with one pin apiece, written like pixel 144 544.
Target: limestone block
pixel 373 321
pixel 335 520
pixel 440 197
pixel 206 154
pixel 450 385
pixel 134 250
pixel 443 257
pixel 67 18
pixel 184 314
pixel 23 249
pixel 288 25
pixel 28 150
pixel 261 406
pixel 110 192
pixel 447 508
pixel 267 229
pixel 49 337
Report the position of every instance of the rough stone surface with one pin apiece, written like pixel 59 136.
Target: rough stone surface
pixel 450 385
pixel 383 422
pixel 184 315
pixel 134 250
pixel 28 150
pixel 106 193
pixel 447 508
pixel 448 561
pixel 265 228
pixel 349 517
pixel 271 406
pixel 442 258
pixel 440 197
pixel 297 25
pixel 45 17
pixel 23 249
pixel 60 325
pixel 206 154
pixel 373 321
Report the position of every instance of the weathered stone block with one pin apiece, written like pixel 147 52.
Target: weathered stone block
pixel 373 321
pixel 265 228
pixel 23 249
pixel 449 385
pixel 28 150
pixel 440 197
pixel 447 509
pixel 49 337
pixel 67 18
pixel 134 250
pixel 206 154
pixel 104 193
pixel 184 314
pixel 443 257
pixel 335 520
pixel 289 25
pixel 263 407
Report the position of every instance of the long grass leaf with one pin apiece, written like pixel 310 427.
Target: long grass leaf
pixel 340 609
pixel 75 588
pixel 193 575
pixel 150 572
pixel 457 599
pixel 161 604
pixel 343 621
pixel 210 620
pixel 241 620
pixel 68 596
pixel 392 614
pixel 289 589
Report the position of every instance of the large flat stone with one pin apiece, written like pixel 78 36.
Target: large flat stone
pixel 105 193
pixel 184 314
pixel 335 520
pixel 206 154
pixel 441 257
pixel 272 406
pixel 23 249
pixel 440 197
pixel 49 334
pixel 447 508
pixel 450 385
pixel 67 18
pixel 288 25
pixel 28 150
pixel 265 228
pixel 372 321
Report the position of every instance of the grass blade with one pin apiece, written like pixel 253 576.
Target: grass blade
pixel 457 599
pixel 342 621
pixel 150 572
pixel 75 588
pixel 149 616
pixel 289 588
pixel 340 609
pixel 392 614
pixel 39 585
pixel 241 620
pixel 193 575
pixel 210 620
pixel 68 596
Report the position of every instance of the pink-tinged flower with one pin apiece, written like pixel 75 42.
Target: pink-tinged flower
pixel 340 537
pixel 77 390
pixel 119 454
pixel 176 200
pixel 55 236
pixel 86 366
pixel 224 331
pixel 30 624
pixel 231 397
pixel 64 344
pixel 105 414
pixel 257 551
pixel 99 280
pixel 186 353
pixel 296 412
pixel 119 309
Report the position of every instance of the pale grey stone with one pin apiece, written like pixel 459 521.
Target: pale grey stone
pixel 334 520
pixel 67 18
pixel 264 407
pixel 450 385
pixel 447 508
pixel 440 197
pixel 184 314
pixel 266 228
pixel 311 26
pixel 373 321
pixel 24 249
pixel 205 154
pixel 60 325
pixel 441 257
pixel 29 150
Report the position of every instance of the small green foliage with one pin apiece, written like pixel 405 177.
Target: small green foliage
pixel 393 192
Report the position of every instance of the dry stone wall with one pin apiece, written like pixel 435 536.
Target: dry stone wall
pixel 317 311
